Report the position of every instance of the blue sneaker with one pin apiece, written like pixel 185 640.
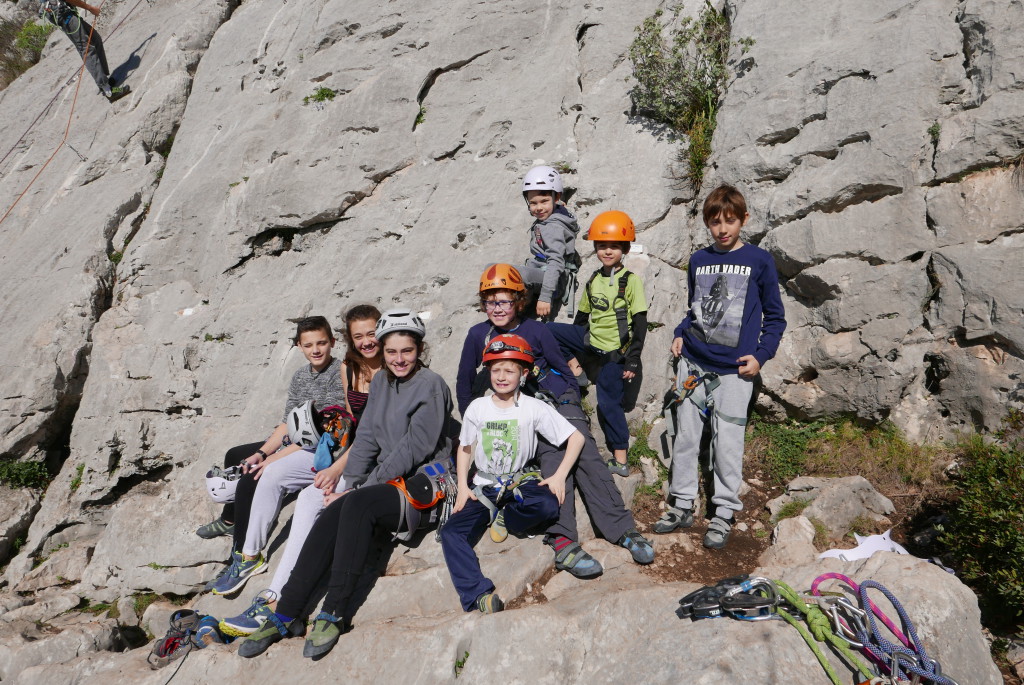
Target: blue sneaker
pixel 639 546
pixel 253 618
pixel 237 573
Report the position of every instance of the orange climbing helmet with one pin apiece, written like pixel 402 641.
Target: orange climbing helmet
pixel 508 346
pixel 501 277
pixel 613 226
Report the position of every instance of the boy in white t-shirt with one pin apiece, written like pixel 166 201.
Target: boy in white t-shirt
pixel 499 436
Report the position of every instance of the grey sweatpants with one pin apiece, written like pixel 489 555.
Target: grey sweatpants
pixel 96 60
pixel 290 474
pixel 732 398
pixel 308 505
pixel 594 480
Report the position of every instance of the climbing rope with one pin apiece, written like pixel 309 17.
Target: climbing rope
pixel 74 101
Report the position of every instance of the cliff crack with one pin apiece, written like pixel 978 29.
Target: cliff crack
pixel 431 79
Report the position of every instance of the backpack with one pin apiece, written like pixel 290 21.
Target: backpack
pixel 188 630
pixel 339 427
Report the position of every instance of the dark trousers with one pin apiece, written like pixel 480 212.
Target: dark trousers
pixel 537 508
pixel 340 544
pixel 234 457
pixel 610 385
pixel 96 60
pixel 595 482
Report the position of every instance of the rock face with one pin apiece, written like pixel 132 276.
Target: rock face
pixel 836 502
pixel 153 270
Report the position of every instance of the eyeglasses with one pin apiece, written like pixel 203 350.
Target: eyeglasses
pixel 498 304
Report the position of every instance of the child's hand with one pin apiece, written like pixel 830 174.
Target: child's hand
pixel 677 347
pixel 749 366
pixel 556 485
pixel 543 308
pixel 325 480
pixel 465 494
pixel 251 462
pixel 628 375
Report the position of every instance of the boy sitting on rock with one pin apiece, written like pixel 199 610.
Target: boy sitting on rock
pixel 733 326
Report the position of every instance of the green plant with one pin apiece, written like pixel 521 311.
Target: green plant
pixel 792 509
pixel 786 445
pixel 76 480
pixel 933 131
pixel 96 609
pixel 421 116
pixel 24 474
pixel 32 38
pixel 587 407
pixel 21 46
pixel 654 325
pixel 220 337
pixel 863 525
pixel 321 94
pixel 115 257
pixel 155 566
pixel 760 533
pixel 563 167
pixel 821 536
pixel 142 602
pixel 681 77
pixel 640 447
pixel 985 533
pixel 461 664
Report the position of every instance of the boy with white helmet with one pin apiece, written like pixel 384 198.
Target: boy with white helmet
pixel 553 259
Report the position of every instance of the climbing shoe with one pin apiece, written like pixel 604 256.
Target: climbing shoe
pixel 639 546
pixel 215 528
pixel 718 533
pixel 489 603
pixel 117 92
pixel 672 519
pixel 273 630
pixel 327 630
pixel 499 533
pixel 253 618
pixel 571 557
pixel 618 469
pixel 240 570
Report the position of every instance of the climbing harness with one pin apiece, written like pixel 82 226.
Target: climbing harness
pixel 445 488
pixel 572 263
pixel 621 313
pixel 689 389
pixel 506 482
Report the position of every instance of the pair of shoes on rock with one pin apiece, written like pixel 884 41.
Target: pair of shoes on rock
pixel 253 618
pixel 571 557
pixel 215 529
pixel 673 518
pixel 232 578
pixel 274 629
pixel 489 603
pixel 617 468
pixel 638 546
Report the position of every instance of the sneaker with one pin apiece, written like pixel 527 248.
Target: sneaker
pixel 273 630
pixel 237 573
pixel 327 630
pixel 499 533
pixel 489 603
pixel 573 558
pixel 215 528
pixel 639 547
pixel 718 533
pixel 618 469
pixel 253 618
pixel 672 519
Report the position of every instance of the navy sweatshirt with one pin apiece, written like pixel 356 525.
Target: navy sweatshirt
pixel 549 359
pixel 734 308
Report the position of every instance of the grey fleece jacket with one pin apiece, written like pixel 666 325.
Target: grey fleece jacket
pixel 405 424
pixel 551 241
pixel 323 388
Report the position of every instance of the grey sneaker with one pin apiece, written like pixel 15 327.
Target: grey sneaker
pixel 718 533
pixel 215 528
pixel 672 519
pixel 618 469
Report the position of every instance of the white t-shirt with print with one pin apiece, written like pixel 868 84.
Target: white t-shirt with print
pixel 504 440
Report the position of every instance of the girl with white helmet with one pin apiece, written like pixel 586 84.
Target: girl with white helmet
pixel 406 425
pixel 553 260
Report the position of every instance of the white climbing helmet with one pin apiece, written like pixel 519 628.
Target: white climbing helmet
pixel 542 178
pixel 400 321
pixel 304 427
pixel 221 483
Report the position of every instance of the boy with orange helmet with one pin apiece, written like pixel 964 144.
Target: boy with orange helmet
pixel 607 335
pixel 499 436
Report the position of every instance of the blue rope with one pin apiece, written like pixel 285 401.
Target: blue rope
pixel 902 660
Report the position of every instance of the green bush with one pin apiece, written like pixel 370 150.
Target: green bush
pixel 32 39
pixel 986 530
pixel 24 474
pixel 785 447
pixel 21 46
pixel 681 77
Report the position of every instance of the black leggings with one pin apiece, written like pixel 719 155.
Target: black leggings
pixel 234 457
pixel 340 544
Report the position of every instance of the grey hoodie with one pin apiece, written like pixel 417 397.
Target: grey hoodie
pixel 405 424
pixel 552 241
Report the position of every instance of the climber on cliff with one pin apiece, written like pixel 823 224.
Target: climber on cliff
pixel 61 14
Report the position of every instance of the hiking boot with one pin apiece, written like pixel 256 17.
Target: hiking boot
pixel 574 559
pixel 639 546
pixel 273 630
pixel 489 603
pixel 499 533
pixel 618 469
pixel 253 618
pixel 215 528
pixel 240 570
pixel 718 533
pixel 327 630
pixel 672 519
